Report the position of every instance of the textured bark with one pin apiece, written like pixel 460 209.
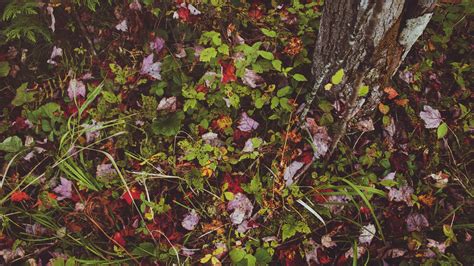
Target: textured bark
pixel 368 39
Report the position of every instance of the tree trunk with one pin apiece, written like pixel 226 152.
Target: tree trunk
pixel 368 39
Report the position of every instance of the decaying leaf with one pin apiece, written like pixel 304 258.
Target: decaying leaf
pixel 242 208
pixel 122 26
pixel 151 68
pixel 64 190
pixel 290 172
pixel 246 123
pixel 190 220
pixel 76 88
pixel 431 117
pixel 367 233
pixel 416 222
pixel 403 194
pixel 251 78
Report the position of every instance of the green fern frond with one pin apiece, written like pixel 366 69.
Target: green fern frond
pixel 17 8
pixel 26 27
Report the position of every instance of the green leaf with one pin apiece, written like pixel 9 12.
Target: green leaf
pixel 274 103
pixel 207 54
pixel 263 256
pixel 224 49
pixel 363 91
pixel 326 106
pixel 266 55
pixel 337 78
pixel 277 64
pixel 288 230
pixel 4 69
pixel 158 88
pixel 269 33
pixel 229 195
pixel 168 125
pixel 284 91
pixel 299 77
pixel 237 255
pixel 259 102
pixel 11 144
pixel 22 96
pixel 442 130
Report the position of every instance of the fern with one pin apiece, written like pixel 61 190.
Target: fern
pixel 91 4
pixel 26 27
pixel 23 21
pixel 16 8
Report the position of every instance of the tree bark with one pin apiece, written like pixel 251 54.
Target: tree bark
pixel 368 39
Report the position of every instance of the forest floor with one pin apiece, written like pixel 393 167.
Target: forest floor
pixel 144 133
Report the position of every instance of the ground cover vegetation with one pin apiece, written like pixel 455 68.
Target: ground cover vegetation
pixel 170 132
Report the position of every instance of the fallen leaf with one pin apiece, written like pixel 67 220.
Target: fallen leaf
pixel 228 72
pixel 367 233
pixel 365 125
pixel 416 222
pixel 190 220
pixel 435 244
pixel 19 196
pixel 327 242
pixel 401 195
pixel 151 68
pixel 168 104
pixel 441 179
pixel 64 190
pixel 157 44
pixel 321 141
pixel 241 207
pixel 391 92
pixel 122 26
pixel 133 195
pixel 431 117
pixel 401 102
pixel 290 172
pixel 251 78
pixel 246 123
pixel 76 88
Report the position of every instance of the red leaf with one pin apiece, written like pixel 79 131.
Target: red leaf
pixel 233 183
pixel 119 239
pixel 133 195
pixel 228 72
pixel 255 12
pixel 18 196
pixel 184 14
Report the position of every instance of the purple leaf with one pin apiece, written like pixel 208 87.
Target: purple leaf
pixel 290 172
pixel 76 88
pixel 64 189
pixel 431 117
pixel 241 207
pixel 401 195
pixel 321 141
pixel 251 78
pixel 246 123
pixel 157 44
pixel 367 233
pixel 150 68
pixel 167 104
pixel 190 220
pixel 122 26
pixel 104 170
pixel 416 222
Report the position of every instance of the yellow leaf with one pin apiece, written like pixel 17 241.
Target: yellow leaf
pixel 206 258
pixel 328 86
